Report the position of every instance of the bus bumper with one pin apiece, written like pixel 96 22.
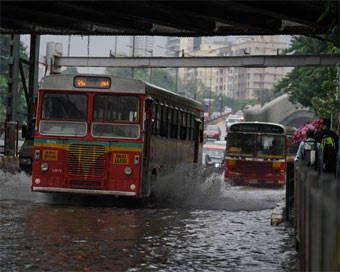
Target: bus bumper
pixel 81 191
pixel 240 181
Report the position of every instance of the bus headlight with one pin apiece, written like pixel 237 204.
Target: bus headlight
pixel 44 167
pixel 127 171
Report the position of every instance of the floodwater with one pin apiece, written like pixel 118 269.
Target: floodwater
pixel 195 224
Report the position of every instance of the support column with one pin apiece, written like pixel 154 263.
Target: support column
pixel 33 76
pixel 13 77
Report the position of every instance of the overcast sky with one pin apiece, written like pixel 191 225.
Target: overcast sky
pixel 100 46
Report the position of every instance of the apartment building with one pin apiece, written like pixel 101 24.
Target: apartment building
pixel 248 83
pixel 143 46
pixel 198 46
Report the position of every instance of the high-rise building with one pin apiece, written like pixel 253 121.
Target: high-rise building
pixel 250 83
pixel 143 46
pixel 206 77
pixel 175 47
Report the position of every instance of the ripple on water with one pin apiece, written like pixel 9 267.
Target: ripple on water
pixel 196 225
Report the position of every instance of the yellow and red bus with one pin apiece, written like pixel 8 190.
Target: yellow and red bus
pixel 99 134
pixel 256 153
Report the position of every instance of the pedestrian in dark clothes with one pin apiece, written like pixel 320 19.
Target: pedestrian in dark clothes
pixel 329 146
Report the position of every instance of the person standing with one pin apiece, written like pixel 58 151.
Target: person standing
pixel 329 146
pixel 310 151
pixel 338 156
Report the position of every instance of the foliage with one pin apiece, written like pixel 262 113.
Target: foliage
pixel 265 96
pixel 191 88
pixel 331 11
pixel 3 97
pixel 313 87
pixel 329 103
pixel 159 77
pixel 4 55
pixel 70 70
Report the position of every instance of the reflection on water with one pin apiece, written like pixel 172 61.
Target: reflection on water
pixel 206 227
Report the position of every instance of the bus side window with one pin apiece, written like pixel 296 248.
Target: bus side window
pixel 188 127
pixel 201 130
pixel 169 122
pixel 174 125
pixel 183 134
pixel 179 124
pixel 153 124
pixel 192 127
pixel 158 119
pixel 164 129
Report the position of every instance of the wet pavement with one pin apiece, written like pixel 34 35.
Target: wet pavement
pixel 195 224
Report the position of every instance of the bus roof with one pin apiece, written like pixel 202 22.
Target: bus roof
pixel 257 127
pixel 60 82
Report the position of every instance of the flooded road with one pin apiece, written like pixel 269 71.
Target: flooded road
pixel 194 225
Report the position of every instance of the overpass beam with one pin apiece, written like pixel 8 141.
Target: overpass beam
pixel 182 62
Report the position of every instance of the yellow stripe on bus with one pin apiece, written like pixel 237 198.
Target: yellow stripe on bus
pixel 60 146
pixel 125 149
pixel 66 147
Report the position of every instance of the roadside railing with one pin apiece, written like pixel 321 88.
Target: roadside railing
pixel 316 217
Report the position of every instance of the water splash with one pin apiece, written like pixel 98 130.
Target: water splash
pixel 192 186
pixel 189 186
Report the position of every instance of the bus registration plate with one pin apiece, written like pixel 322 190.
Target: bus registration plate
pixel 50 155
pixel 119 158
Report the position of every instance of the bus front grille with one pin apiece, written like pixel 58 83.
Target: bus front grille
pixel 249 169
pixel 86 160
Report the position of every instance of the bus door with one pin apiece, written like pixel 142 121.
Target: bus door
pixel 147 131
pixel 198 127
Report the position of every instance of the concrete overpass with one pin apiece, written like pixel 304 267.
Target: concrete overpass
pixel 282 111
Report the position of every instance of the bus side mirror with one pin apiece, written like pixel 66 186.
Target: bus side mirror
pixel 225 138
pixel 23 131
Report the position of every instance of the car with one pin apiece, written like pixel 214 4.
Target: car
pixel 232 118
pixel 221 143
pixel 214 155
pixel 212 132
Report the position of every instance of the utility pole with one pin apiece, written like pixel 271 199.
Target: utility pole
pixel 116 46
pixel 133 54
pixel 209 111
pixel 69 46
pixel 150 75
pixel 88 46
pixel 176 80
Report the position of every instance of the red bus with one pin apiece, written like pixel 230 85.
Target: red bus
pixel 108 135
pixel 256 153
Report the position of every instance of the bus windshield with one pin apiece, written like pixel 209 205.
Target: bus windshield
pixel 241 144
pixel 64 106
pixel 267 146
pixel 270 145
pixel 110 111
pixel 67 107
pixel 114 108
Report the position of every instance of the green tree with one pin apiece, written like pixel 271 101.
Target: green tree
pixel 70 70
pixel 311 86
pixel 4 56
pixel 159 77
